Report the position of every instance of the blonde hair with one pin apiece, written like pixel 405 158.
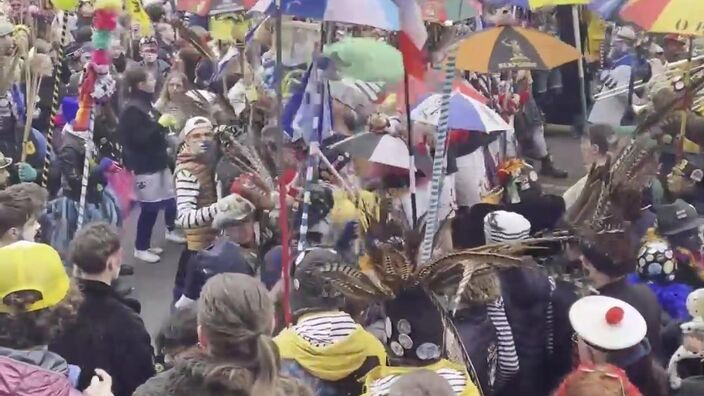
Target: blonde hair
pixel 236 315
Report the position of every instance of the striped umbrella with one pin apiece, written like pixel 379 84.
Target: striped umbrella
pixel 666 16
pixel 513 48
pixel 465 113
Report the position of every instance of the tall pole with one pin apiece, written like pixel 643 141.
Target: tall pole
pixel 283 210
pixel 580 65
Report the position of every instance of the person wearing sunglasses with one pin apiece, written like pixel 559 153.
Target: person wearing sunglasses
pixel 611 331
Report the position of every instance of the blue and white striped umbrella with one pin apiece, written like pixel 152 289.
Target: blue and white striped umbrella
pixel 465 113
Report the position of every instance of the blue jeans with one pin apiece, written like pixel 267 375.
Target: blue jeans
pixel 147 219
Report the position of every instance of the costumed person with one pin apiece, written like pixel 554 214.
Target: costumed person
pixel 531 132
pixel 196 196
pixel 145 153
pixel 657 267
pixel 679 223
pixel 414 326
pixel 226 254
pixel 149 52
pixel 38 300
pixel 686 367
pixel 607 257
pixel 236 354
pixel 609 330
pixel 592 379
pixel 325 348
pixel 510 320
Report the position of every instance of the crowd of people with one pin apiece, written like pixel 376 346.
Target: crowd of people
pixel 313 261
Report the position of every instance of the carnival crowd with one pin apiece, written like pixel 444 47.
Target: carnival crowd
pixel 341 235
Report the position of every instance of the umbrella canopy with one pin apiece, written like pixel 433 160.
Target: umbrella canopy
pixel 447 10
pixel 375 147
pixel 465 113
pixel 666 16
pixel 535 4
pixel 382 14
pixel 513 48
pixel 607 9
pixel 366 59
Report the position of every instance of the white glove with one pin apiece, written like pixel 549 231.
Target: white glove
pixel 100 384
pixel 225 203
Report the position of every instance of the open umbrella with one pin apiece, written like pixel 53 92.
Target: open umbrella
pixel 465 113
pixel 366 59
pixel 447 10
pixel 666 16
pixel 382 14
pixel 607 9
pixel 381 148
pixel 513 48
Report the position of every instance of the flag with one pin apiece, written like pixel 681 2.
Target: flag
pixel 307 114
pixel 230 56
pixel 139 15
pixel 412 37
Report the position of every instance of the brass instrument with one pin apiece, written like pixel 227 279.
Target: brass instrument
pixel 674 70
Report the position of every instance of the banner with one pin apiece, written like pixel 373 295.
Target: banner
pixel 139 16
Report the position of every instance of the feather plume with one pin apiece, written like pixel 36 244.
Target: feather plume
pixel 352 282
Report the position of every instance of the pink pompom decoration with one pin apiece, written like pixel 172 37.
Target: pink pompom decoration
pixel 105 20
pixel 33 10
pixel 101 57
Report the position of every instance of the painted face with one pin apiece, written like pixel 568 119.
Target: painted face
pixel 149 57
pixel 200 141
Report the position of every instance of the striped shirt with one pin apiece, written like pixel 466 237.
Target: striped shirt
pixel 456 379
pixel 325 329
pixel 189 214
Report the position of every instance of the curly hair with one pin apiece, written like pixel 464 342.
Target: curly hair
pixel 23 330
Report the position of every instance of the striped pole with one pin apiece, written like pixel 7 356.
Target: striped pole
pixel 89 148
pixel 439 158
pixel 54 100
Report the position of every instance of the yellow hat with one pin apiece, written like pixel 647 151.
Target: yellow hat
pixel 32 267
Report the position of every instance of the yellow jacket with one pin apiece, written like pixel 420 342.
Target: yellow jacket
pixel 385 371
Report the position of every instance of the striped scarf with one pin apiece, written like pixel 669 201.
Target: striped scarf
pixel 506 347
pixel 456 379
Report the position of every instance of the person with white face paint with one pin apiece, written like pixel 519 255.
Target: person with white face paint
pixel 18 222
pixel 145 153
pixel 196 196
pixel 158 68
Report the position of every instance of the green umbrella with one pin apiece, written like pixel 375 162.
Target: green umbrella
pixel 366 59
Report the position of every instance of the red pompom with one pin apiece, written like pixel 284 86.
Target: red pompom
pixel 101 57
pixel 614 315
pixel 104 20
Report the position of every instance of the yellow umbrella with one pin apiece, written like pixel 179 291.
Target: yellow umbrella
pixel 512 48
pixel 684 17
pixel 544 3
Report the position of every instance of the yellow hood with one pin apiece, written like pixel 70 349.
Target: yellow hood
pixel 385 371
pixel 333 362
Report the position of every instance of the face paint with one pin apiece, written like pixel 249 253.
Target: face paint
pixel 149 57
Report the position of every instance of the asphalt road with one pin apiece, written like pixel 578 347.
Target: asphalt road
pixel 153 282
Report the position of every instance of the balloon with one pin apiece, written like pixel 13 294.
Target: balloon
pixel 65 5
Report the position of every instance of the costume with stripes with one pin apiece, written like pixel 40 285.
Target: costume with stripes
pixel 196 201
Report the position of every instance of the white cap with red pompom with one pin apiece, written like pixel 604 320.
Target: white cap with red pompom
pixel 607 323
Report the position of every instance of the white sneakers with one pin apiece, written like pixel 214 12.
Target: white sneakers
pixel 147 255
pixel 175 237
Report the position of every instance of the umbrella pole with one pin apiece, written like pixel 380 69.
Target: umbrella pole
pixel 580 66
pixel 283 210
pixel 411 152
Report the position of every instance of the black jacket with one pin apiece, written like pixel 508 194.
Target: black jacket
pixel 70 163
pixel 110 335
pixel 644 301
pixel 143 139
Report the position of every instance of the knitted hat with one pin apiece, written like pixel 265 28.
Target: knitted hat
pixel 502 226
pixel 194 123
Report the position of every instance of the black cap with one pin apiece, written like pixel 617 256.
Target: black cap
pixel 677 217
